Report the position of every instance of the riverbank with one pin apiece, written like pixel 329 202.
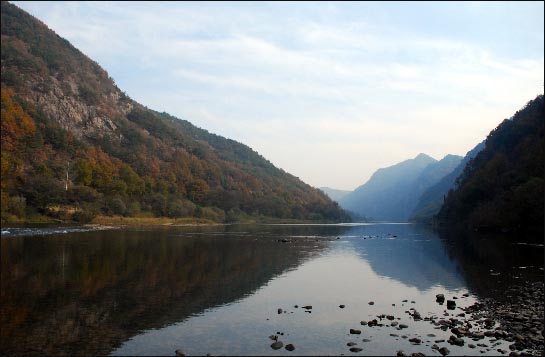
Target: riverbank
pixel 146 220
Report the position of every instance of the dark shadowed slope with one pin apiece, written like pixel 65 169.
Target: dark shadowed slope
pixel 502 187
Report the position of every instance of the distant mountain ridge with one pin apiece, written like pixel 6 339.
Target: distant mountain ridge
pixel 334 193
pixel 74 146
pixel 431 200
pixel 392 192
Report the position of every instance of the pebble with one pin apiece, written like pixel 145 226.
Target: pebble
pixel 444 351
pixel 363 323
pixel 290 347
pixel 277 345
pixel 403 326
pixel 415 340
pixel 355 349
pixel 350 344
pixel 354 331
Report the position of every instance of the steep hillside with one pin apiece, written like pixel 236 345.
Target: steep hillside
pixel 502 187
pixel 431 200
pixel 74 145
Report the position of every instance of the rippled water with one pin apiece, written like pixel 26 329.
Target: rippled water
pixel 217 289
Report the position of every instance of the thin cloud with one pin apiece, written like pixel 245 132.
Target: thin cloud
pixel 349 86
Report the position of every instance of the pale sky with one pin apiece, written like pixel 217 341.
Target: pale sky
pixel 329 92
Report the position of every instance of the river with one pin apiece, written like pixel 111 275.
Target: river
pixel 218 289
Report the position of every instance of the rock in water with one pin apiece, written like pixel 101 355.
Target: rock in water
pixel 444 351
pixel 277 345
pixel 180 353
pixel 290 347
pixel 355 349
pixel 279 311
pixel 342 306
pixel 451 304
pixel 355 332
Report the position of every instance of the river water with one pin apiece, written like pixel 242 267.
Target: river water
pixel 217 289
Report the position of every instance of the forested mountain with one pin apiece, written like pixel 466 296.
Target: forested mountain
pixel 334 194
pixel 74 145
pixel 392 193
pixel 502 187
pixel 431 200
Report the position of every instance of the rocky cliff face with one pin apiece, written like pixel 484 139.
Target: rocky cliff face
pixel 83 120
pixel 62 82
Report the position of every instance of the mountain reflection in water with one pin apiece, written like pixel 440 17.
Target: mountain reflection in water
pixel 86 293
pixel 216 289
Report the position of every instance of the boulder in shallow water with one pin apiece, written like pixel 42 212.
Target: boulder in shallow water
pixel 277 345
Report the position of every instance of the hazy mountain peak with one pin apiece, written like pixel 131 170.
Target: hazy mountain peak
pixel 392 192
pixel 424 157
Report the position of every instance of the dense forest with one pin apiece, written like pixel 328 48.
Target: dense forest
pixel 502 188
pixel 74 146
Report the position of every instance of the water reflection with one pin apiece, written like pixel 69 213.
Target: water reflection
pixel 411 254
pixel 216 289
pixel 86 293
pixel 491 263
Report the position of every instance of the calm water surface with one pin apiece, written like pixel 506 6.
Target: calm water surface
pixel 217 289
